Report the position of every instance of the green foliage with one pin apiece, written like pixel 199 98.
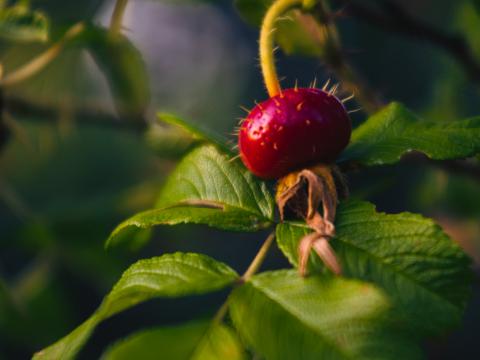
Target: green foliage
pixel 291 35
pixel 198 133
pixel 125 70
pixel 208 188
pixel 200 340
pixel 174 137
pixel 170 275
pixel 208 177
pixel 426 275
pixel 19 23
pixel 403 277
pixel 315 318
pixel 395 131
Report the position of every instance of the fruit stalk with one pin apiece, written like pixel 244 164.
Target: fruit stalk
pixel 267 32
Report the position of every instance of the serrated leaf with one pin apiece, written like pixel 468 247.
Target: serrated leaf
pixel 290 34
pixel 208 188
pixel 199 340
pixel 206 174
pixel 284 316
pixel 125 70
pixel 19 23
pixel 171 275
pixel 424 272
pixel 395 131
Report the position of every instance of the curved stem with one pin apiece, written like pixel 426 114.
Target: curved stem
pixel 38 63
pixel 252 270
pixel 259 258
pixel 267 60
pixel 117 16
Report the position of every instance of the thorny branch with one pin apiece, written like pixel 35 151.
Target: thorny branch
pixel 324 31
pixel 394 18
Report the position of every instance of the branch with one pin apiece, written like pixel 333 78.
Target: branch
pixel 98 117
pixel 465 167
pixel 318 23
pixel 396 19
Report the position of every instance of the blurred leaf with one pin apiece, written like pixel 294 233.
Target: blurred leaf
pixel 171 275
pixel 291 35
pixel 125 70
pixel 284 316
pixel 169 142
pixel 394 131
pixel 476 4
pixel 442 192
pixel 173 137
pixel 199 340
pixel 197 132
pixel 19 23
pixel 208 188
pixel 425 273
pixel 467 19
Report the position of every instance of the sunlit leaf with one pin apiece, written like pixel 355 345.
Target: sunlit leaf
pixel 424 272
pixel 209 188
pixel 199 340
pixel 19 23
pixel 395 131
pixel 284 316
pixel 168 276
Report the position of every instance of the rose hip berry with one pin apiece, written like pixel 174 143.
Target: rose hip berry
pixel 298 128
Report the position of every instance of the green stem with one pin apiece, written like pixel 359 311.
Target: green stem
pixel 117 16
pixel 259 258
pixel 267 32
pixel 252 270
pixel 45 58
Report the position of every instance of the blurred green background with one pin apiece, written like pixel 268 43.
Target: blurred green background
pixel 77 160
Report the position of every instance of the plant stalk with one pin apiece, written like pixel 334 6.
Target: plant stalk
pixel 38 63
pixel 267 37
pixel 252 270
pixel 117 16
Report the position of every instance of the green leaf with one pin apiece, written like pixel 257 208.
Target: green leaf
pixel 125 70
pixel 284 316
pixel 170 142
pixel 208 188
pixel 394 131
pixel 424 272
pixel 291 35
pixel 173 137
pixel 19 23
pixel 197 132
pixel 171 275
pixel 199 340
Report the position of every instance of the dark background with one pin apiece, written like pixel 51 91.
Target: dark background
pixel 69 174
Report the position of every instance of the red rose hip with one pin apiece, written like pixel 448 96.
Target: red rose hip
pixel 298 128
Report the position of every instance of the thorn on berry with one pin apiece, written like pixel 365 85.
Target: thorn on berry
pixel 244 109
pixel 344 100
pixel 325 86
pixel 302 119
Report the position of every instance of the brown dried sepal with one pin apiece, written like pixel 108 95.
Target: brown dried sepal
pixel 300 194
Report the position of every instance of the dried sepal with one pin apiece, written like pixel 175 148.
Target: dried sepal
pixel 301 194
